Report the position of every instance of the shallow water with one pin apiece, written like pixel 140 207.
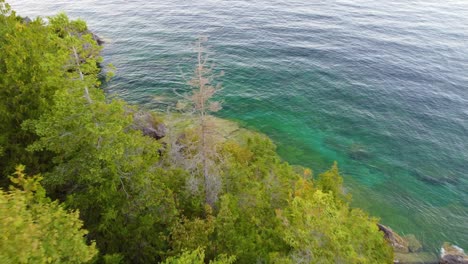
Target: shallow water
pixel 379 86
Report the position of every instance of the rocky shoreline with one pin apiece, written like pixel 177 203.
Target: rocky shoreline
pixel 95 37
pixel 408 250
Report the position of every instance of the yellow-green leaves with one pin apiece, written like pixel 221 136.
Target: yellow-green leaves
pixel 35 230
pixel 321 229
pixel 35 64
pixel 197 256
pixel 331 182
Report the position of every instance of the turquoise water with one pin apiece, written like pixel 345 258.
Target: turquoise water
pixel 379 86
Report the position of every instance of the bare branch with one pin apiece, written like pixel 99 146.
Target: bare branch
pixel 77 61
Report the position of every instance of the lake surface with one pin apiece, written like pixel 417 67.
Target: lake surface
pixel 379 86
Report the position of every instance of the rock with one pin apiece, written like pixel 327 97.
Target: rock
pixel 436 180
pixel 157 133
pixel 98 40
pixel 358 152
pixel 27 20
pixel 451 254
pixel 413 243
pixel 396 241
pixel 149 124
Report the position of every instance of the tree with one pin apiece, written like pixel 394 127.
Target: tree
pixel 197 256
pixel 109 172
pixel 31 70
pixel 331 182
pixel 38 59
pixel 204 90
pixel 36 230
pixel 203 159
pixel 321 230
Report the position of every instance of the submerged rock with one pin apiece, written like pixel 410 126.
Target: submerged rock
pixel 451 254
pixel 413 243
pixel 436 180
pixel 358 152
pixel 416 258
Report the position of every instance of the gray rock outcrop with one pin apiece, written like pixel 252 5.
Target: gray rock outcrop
pixel 396 241
pixel 451 254
pixel 149 125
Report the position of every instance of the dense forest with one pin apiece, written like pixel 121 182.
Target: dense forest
pixel 87 178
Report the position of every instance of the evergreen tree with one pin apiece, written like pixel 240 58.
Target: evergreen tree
pixel 197 256
pixel 320 229
pixel 31 70
pixel 35 230
pixel 38 59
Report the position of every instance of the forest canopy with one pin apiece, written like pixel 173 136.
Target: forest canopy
pixel 118 190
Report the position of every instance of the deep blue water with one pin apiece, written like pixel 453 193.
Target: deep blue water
pixel 379 86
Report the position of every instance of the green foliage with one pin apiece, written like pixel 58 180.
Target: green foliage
pixel 36 61
pixel 112 259
pixel 190 234
pixel 332 182
pixel 63 27
pixel 106 169
pixel 247 229
pixel 100 165
pixel 35 230
pixel 31 69
pixel 320 230
pixel 197 256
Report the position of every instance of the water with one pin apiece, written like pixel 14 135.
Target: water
pixel 379 86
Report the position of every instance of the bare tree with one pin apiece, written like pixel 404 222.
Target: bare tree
pixel 201 157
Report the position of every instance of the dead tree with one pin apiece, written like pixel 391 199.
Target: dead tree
pixel 203 90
